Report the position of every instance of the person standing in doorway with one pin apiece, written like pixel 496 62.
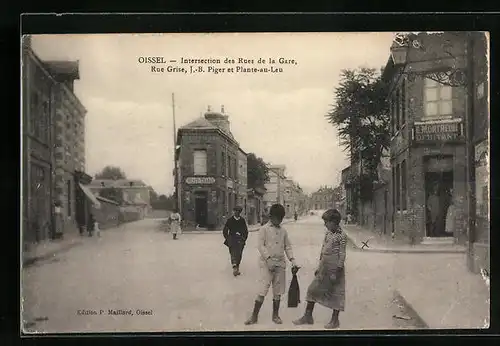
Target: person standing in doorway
pixel 433 211
pixel 328 286
pixel 235 234
pixel 274 244
pixel 450 215
pixel 175 223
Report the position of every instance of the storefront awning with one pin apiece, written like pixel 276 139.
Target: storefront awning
pixel 90 196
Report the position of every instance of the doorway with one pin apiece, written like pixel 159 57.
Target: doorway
pixel 438 191
pixel 201 208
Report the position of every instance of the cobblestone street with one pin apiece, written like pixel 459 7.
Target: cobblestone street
pixel 187 285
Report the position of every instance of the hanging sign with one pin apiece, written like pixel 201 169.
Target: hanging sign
pixel 200 180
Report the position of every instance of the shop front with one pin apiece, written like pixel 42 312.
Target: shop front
pixel 203 201
pixel 437 181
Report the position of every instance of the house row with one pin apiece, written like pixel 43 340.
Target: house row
pixel 285 191
pixel 53 149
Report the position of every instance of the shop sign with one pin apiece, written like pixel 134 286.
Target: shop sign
pixel 200 180
pixel 437 132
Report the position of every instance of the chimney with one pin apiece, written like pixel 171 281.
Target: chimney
pixel 222 109
pixel 209 109
pixel 218 119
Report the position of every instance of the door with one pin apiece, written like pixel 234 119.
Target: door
pixel 438 187
pixel 200 208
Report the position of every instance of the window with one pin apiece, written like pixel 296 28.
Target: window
pixel 403 185
pixel 228 171
pixel 438 99
pixel 223 164
pixel 33 113
pixel 398 187
pixel 200 162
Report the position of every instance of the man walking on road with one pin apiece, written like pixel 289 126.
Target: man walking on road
pixel 235 234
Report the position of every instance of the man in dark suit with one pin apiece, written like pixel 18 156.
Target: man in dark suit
pixel 235 234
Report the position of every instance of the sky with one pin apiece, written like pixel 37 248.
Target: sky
pixel 278 116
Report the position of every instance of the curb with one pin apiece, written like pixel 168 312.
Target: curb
pixel 30 261
pixel 416 251
pixel 414 314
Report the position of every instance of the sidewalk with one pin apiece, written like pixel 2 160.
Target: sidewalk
pixel 442 292
pixel 49 248
pixel 367 240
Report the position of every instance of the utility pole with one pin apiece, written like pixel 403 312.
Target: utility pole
pixel 176 173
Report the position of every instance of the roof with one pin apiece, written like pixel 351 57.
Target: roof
pixel 67 69
pixel 200 123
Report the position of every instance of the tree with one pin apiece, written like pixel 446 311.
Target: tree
pixel 361 115
pixel 111 172
pixel 257 172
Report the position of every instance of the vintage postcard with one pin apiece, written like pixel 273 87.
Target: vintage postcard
pixel 255 182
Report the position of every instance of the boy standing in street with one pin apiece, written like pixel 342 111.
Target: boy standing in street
pixel 273 246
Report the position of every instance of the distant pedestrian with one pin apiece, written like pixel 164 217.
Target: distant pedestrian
pixel 434 212
pixel 328 286
pixel 295 216
pixel 235 234
pixel 274 244
pixel 175 224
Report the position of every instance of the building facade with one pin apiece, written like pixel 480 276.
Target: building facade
pixel 135 194
pixel 275 187
pixel 255 205
pixel 53 126
pixel 209 180
pixel 69 145
pixel 37 85
pixel 322 199
pixel 480 254
pixel 428 145
pixel 242 190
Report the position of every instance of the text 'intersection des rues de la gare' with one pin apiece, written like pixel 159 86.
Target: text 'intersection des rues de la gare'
pixel 160 64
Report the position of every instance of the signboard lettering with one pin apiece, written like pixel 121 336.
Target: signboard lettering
pixel 200 180
pixel 437 132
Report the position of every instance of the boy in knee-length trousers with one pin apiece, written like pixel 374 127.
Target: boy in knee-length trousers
pixel 273 246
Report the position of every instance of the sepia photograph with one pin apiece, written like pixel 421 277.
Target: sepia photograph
pixel 254 182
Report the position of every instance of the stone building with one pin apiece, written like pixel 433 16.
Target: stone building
pixel 480 254
pixel 208 170
pixel 322 199
pixel 428 144
pixel 69 145
pixel 134 193
pixel 52 146
pixel 275 187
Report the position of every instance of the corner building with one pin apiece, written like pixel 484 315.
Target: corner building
pixel 427 148
pixel 210 174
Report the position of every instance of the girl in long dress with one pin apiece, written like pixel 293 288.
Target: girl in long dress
pixel 175 224
pixel 328 286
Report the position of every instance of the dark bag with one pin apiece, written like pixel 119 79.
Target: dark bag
pixel 294 292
